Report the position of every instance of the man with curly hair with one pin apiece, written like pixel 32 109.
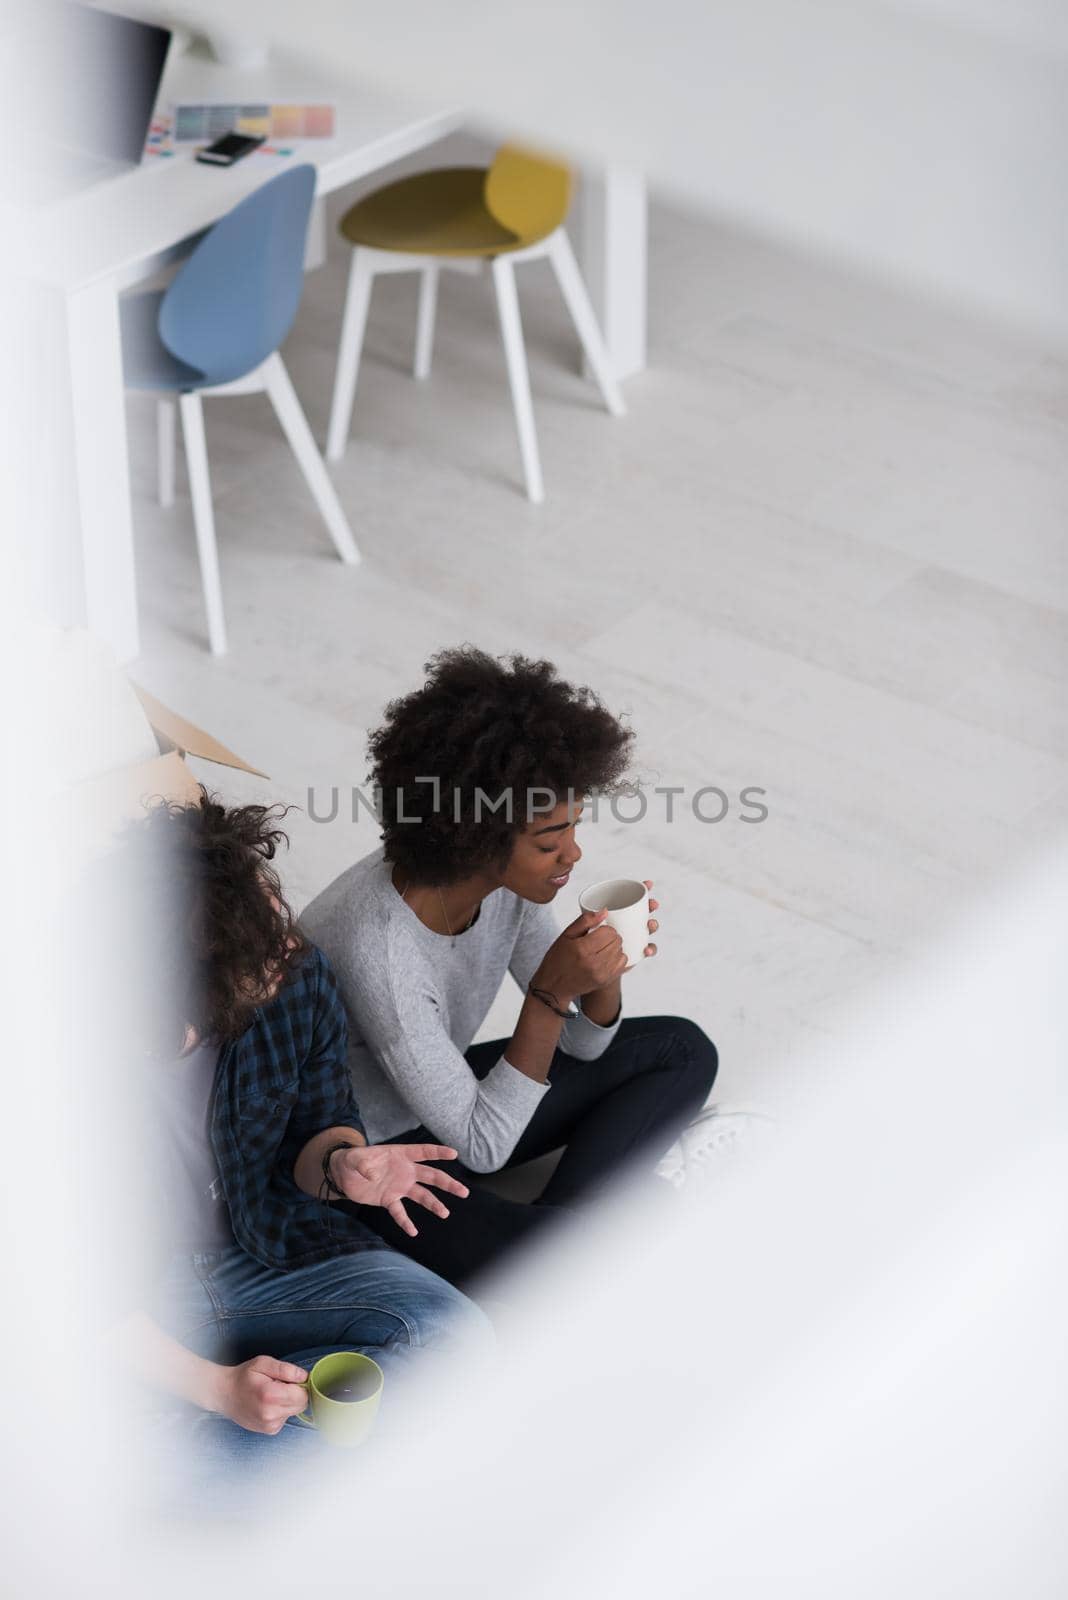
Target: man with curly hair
pixel 481 775
pixel 234 1029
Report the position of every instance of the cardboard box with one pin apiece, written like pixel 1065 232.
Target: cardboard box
pixel 177 739
pixel 114 797
pixel 121 748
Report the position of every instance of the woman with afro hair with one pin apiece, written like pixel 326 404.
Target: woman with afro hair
pixel 481 775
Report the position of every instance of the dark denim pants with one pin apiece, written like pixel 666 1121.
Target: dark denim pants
pixel 619 1112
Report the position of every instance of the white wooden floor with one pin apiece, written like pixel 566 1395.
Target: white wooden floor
pixel 824 554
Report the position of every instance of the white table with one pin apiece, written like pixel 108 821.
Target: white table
pixel 90 248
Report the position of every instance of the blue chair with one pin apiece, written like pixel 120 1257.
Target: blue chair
pixel 216 330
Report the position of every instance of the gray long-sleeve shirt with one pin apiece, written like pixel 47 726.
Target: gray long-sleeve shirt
pixel 415 1000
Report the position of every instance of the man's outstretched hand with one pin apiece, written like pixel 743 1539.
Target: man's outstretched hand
pixel 387 1174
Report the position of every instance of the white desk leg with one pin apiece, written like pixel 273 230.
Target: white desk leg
pixel 101 467
pixel 315 243
pixel 614 234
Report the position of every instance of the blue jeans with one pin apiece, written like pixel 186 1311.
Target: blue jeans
pixel 227 1307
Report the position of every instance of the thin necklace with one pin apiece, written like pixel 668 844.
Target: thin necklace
pixel 448 924
pixel 445 914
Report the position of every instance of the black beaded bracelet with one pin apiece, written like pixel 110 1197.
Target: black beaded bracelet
pixel 328 1184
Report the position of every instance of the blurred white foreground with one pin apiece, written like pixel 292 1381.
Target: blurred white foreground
pixel 839 1379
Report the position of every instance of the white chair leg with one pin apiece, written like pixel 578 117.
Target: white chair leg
pixel 516 357
pixel 196 455
pixel 354 322
pixel 166 413
pixel 288 410
pixel 424 327
pixel 578 304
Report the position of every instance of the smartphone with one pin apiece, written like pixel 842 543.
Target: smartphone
pixel 230 148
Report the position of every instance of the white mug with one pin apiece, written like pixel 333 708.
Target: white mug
pixel 627 902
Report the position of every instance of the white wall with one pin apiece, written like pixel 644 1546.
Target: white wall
pixel 923 138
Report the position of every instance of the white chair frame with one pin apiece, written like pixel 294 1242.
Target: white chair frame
pixel 272 378
pixel 368 263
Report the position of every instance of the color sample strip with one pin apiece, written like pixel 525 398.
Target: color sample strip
pixel 160 140
pixel 318 122
pixel 286 122
pixel 254 120
pixel 200 123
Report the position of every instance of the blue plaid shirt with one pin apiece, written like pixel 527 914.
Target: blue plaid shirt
pixel 283 1081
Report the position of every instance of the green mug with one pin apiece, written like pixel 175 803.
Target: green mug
pixel 343 1418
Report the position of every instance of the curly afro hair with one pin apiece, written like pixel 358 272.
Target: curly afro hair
pixel 201 918
pixel 501 726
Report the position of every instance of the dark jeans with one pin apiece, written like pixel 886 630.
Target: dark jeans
pixel 624 1108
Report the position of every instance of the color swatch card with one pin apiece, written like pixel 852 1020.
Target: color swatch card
pixel 159 140
pixel 198 124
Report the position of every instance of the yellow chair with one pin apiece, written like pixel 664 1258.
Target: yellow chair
pixel 458 218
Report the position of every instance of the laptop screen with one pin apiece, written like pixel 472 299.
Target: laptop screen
pixel 102 73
